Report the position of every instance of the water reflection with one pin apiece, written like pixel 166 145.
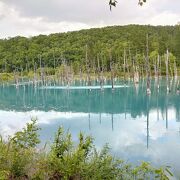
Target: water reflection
pixel 123 100
pixel 137 126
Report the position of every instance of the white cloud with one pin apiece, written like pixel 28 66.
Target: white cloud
pixel 12 24
pixel 164 18
pixel 30 17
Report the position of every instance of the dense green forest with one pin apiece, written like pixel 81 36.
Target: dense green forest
pixel 105 44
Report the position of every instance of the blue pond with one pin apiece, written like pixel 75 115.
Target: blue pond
pixel 137 127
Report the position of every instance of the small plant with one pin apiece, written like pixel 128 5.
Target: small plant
pixel 28 137
pixel 17 155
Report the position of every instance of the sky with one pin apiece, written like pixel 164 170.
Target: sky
pixel 33 17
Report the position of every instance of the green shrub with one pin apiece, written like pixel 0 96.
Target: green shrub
pixel 20 159
pixel 6 77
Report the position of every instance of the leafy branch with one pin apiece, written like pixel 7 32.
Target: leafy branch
pixel 114 2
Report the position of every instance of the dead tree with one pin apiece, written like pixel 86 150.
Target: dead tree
pixel 167 70
pixel 112 69
pixel 147 65
pixel 88 67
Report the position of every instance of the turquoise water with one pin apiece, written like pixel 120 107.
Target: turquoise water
pixel 136 126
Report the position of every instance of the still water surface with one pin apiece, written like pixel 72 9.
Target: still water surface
pixel 136 126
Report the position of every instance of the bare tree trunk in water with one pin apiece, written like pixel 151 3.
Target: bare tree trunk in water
pixel 147 65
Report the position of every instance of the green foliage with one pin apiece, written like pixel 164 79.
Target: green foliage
pixel 6 77
pixel 17 156
pixel 20 53
pixel 114 2
pixel 67 160
pixel 28 137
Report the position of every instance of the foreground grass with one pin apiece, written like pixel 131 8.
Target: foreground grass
pixel 20 159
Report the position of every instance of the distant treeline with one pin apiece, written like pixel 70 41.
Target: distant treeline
pixel 72 47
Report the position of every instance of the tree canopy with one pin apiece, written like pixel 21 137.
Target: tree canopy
pixel 24 53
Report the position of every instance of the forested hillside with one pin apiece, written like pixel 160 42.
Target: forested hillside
pixel 23 53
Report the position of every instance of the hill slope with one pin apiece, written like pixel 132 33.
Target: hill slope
pixel 24 52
